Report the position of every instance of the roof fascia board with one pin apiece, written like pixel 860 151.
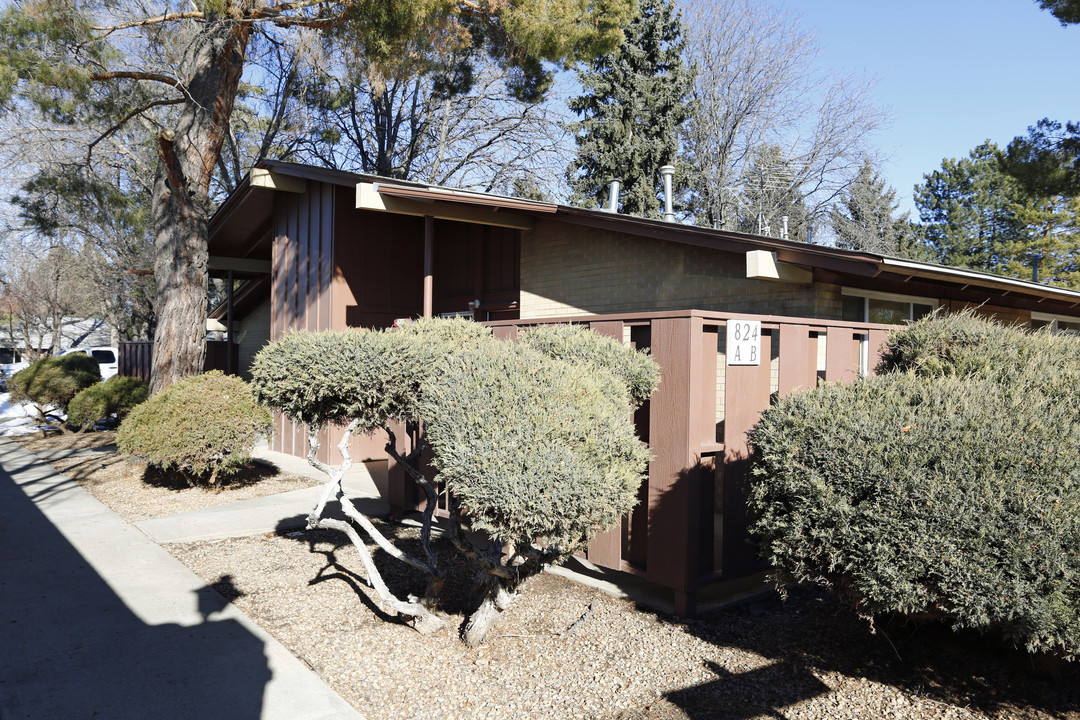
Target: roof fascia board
pixel 368 197
pixel 466 197
pixel 244 265
pixel 980 279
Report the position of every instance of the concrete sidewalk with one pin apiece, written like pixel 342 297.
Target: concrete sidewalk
pixel 272 513
pixel 97 620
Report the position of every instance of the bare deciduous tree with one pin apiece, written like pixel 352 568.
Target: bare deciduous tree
pixel 758 87
pixel 426 126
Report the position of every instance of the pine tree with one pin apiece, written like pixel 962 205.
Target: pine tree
pixel 864 218
pixel 633 106
pixel 966 210
pixel 977 215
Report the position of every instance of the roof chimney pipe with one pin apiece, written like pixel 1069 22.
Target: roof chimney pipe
pixel 613 197
pixel 667 172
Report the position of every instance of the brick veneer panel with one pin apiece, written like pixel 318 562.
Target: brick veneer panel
pixel 570 270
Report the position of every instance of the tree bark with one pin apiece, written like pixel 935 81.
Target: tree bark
pixel 496 599
pixel 211 70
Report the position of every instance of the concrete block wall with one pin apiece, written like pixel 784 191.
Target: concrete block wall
pixel 569 270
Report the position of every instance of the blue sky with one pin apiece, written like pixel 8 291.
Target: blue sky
pixel 952 73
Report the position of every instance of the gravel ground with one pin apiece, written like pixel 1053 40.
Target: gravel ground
pixel 808 657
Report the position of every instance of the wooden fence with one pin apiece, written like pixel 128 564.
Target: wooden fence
pixel 134 360
pixel 690 526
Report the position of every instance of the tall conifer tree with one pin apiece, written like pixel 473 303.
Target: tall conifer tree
pixel 634 103
pixel 974 214
pixel 865 218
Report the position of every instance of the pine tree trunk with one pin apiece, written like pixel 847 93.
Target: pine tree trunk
pixel 181 204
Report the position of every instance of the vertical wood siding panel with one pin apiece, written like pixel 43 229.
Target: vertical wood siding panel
pixel 876 341
pixel 798 359
pixel 606 547
pixel 303 252
pixel 747 394
pixel 324 276
pixel 296 232
pixel 841 356
pixel 277 304
pixel 669 551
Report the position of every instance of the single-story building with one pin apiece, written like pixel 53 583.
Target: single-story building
pixel 322 249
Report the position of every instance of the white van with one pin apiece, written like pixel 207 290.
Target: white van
pixel 107 358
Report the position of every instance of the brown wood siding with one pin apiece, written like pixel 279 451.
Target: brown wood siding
pixel 300 287
pixel 378 266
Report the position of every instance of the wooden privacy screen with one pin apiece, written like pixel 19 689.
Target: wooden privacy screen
pixel 691 525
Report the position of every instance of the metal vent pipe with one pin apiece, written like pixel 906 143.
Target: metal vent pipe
pixel 666 172
pixel 613 197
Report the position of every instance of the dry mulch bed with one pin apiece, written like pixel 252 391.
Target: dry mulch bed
pixel 809 657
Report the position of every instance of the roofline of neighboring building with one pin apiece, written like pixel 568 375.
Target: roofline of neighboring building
pixel 788 251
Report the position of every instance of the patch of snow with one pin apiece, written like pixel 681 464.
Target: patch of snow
pixel 15 419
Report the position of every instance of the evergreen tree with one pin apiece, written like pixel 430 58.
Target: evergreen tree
pixel 976 215
pixel 865 218
pixel 966 210
pixel 1066 11
pixel 770 193
pixel 633 106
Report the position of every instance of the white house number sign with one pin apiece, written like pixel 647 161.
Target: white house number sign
pixel 744 342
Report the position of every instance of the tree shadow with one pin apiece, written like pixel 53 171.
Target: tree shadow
pixel 249 474
pixel 814 632
pixel 74 648
pixel 342 562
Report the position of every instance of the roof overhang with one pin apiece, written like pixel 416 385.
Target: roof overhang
pixel 446 205
pixel 241 229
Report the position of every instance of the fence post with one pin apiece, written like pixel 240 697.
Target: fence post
pixel 746 395
pixel 675 473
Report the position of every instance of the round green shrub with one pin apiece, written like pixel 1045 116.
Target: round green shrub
pixel 950 488
pixel 105 401
pixel 53 381
pixel 337 376
pixel 971 346
pixel 202 426
pixel 535 449
pixel 579 345
pixel 370 376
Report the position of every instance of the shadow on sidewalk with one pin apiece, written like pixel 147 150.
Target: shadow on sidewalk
pixel 73 649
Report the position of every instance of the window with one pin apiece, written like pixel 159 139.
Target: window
pixel 1057 323
pixel 887 308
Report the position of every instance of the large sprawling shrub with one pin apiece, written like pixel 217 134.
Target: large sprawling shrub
pixel 203 427
pixel 49 384
pixel 108 401
pixel 948 486
pixel 336 377
pixel 537 453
